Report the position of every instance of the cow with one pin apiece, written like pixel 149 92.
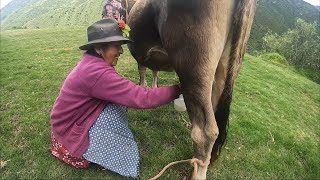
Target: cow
pixel 204 42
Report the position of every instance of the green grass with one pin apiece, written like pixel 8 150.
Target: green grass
pixel 274 128
pixel 274 58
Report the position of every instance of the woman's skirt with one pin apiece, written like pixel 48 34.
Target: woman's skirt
pixel 62 153
pixel 112 144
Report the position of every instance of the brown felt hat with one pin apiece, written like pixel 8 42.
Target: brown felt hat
pixel 103 31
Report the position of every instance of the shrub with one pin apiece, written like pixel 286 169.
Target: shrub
pixel 300 46
pixel 274 58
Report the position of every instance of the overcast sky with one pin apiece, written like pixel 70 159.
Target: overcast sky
pixel 4 2
pixel 314 2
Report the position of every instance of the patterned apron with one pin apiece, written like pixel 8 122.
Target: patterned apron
pixel 112 144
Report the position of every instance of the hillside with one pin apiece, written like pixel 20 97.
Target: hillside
pixel 48 13
pixel 275 15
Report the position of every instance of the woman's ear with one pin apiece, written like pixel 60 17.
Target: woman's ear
pixel 98 51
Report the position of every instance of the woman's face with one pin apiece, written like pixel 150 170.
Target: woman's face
pixel 111 52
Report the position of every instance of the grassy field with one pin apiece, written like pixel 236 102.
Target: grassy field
pixel 274 126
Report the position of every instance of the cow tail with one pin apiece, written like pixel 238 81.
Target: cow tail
pixel 222 119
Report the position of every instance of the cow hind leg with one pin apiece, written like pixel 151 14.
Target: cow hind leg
pixel 204 127
pixel 245 11
pixel 221 99
pixel 204 134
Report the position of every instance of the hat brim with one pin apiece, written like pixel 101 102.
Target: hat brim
pixel 91 44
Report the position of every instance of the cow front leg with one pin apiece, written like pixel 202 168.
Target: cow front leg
pixel 155 75
pixel 142 74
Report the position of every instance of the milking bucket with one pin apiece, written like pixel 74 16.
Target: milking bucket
pixel 179 104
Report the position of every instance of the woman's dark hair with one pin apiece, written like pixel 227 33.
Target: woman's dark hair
pixel 93 52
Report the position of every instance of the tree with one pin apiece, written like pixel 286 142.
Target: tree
pixel 300 46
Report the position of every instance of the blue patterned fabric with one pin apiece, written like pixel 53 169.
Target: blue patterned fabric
pixel 112 144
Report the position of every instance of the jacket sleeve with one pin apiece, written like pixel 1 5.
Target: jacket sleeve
pixel 114 88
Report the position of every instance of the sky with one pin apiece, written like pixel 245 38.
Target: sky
pixel 4 2
pixel 314 2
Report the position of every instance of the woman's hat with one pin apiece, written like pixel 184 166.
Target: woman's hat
pixel 103 31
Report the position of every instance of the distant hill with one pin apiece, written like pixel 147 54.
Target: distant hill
pixel 275 15
pixel 14 5
pixel 278 16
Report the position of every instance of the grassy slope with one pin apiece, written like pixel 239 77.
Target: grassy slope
pixel 274 129
pixel 48 13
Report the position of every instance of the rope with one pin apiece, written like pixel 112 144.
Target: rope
pixel 126 4
pixel 193 161
pixel 127 13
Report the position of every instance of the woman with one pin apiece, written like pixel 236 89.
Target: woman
pixel 89 116
pixel 114 9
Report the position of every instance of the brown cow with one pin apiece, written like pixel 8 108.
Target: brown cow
pixel 204 42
